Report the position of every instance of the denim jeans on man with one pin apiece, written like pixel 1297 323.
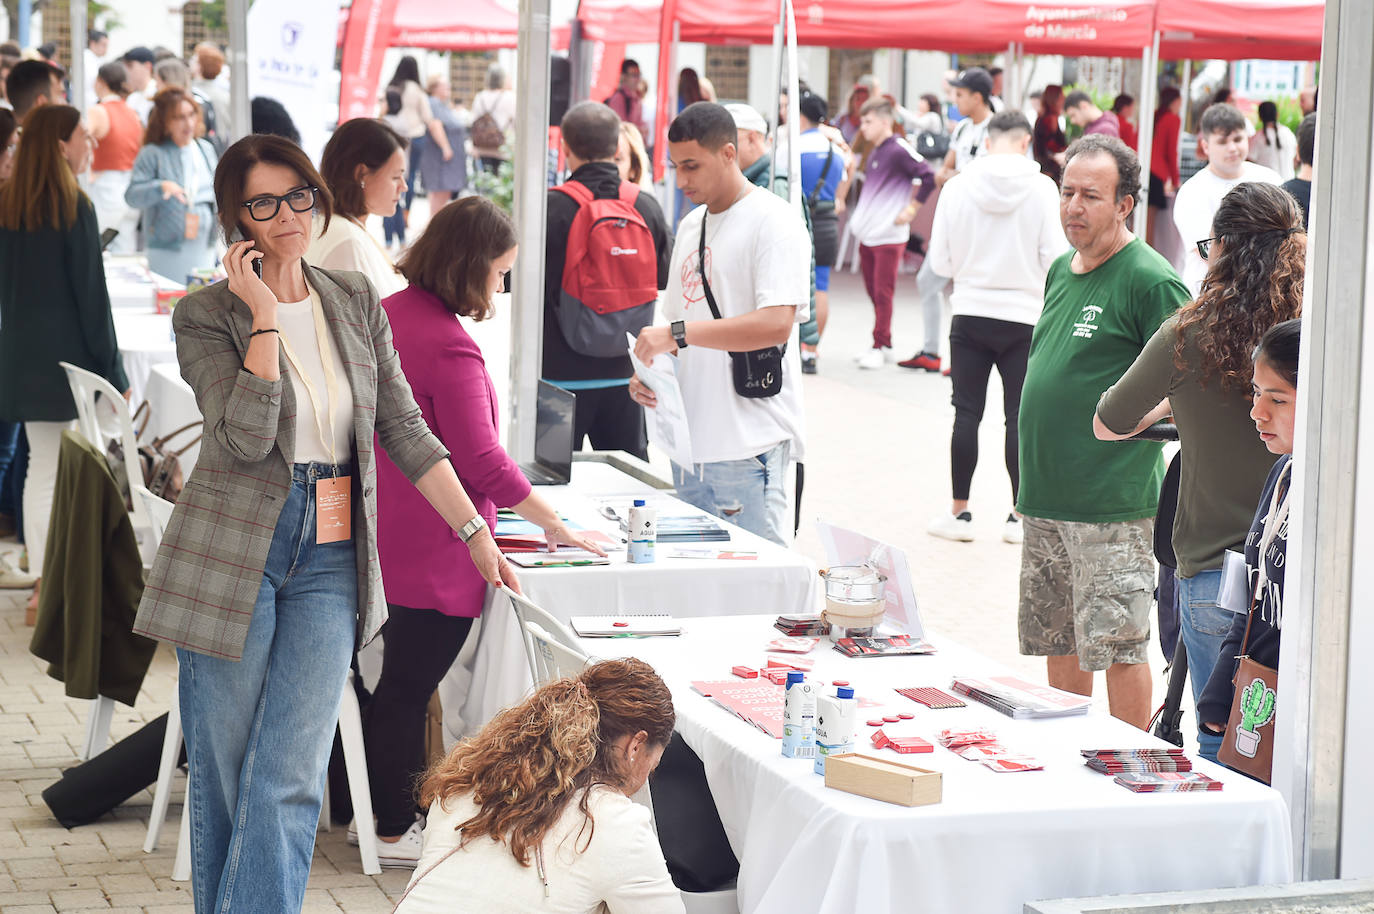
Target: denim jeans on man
pixel 9 443
pixel 1203 627
pixel 258 731
pixel 749 493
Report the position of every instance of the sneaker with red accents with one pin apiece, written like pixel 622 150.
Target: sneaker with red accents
pixel 923 361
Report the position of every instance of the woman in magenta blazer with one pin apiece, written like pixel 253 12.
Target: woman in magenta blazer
pixel 432 592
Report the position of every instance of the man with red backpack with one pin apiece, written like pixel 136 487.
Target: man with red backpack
pixel 606 256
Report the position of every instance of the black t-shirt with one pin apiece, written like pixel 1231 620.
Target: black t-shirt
pixel 1302 190
pixel 1215 704
pixel 561 362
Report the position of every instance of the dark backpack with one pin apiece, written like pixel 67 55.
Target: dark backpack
pixel 610 274
pixel 932 145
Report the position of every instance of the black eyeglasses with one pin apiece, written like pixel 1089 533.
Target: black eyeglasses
pixel 265 208
pixel 1204 246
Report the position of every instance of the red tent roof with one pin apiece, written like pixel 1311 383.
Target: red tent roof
pixel 1240 29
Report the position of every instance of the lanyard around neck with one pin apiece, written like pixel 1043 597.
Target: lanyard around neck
pixel 331 381
pixel 1278 516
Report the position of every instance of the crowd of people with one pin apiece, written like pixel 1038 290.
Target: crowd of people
pixel 351 468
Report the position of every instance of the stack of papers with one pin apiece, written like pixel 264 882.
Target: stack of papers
pixel 1123 761
pixel 690 528
pixel 636 625
pixel 801 625
pixel 894 646
pixel 755 701
pixel 1020 699
pixel 1167 782
pixel 563 558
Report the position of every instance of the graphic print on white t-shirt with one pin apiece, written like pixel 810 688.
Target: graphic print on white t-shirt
pixel 758 255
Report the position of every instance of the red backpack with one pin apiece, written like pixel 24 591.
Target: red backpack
pixel 610 275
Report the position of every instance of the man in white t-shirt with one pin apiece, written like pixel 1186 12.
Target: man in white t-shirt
pixel 973 97
pixel 757 270
pixel 1226 143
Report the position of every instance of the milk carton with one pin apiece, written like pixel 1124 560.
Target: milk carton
pixel 837 718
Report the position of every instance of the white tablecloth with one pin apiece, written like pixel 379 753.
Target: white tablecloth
pixel 996 841
pixel 173 405
pixel 493 672
pixel 145 340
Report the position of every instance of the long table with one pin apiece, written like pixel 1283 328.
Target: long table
pixel 996 841
pixel 493 673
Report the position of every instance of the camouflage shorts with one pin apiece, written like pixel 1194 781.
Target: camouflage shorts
pixel 1086 589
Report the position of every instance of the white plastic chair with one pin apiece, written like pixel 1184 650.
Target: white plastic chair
pixel 526 611
pixel 98 420
pixel 554 659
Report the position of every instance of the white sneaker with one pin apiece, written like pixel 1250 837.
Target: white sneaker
pixel 889 355
pixel 1012 532
pixel 11 578
pixel 352 837
pixel 951 527
pixel 874 358
pixel 404 852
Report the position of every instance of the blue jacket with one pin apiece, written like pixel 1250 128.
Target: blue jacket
pixel 164 221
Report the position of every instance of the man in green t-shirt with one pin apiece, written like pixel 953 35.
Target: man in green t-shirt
pixel 1087 569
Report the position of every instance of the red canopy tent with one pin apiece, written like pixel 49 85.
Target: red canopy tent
pixel 1239 29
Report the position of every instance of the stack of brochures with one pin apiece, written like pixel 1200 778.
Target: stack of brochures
pixel 1020 699
pixel 894 646
pixel 801 625
pixel 1167 782
pixel 1124 761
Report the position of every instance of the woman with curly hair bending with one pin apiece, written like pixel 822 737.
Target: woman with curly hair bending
pixel 1197 367
pixel 534 813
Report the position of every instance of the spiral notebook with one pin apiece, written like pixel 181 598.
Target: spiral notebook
pixel 636 625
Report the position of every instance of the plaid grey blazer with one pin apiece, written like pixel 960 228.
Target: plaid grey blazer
pixel 208 571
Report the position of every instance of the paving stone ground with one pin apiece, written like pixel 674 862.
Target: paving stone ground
pixel 878 446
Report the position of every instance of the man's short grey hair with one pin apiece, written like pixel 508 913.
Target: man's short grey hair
pixel 1127 165
pixel 496 77
pixel 1008 122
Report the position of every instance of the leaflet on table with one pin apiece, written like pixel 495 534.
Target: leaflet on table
pixel 894 646
pixel 755 701
pixel 626 625
pixel 1020 699
pixel 563 558
pixel 667 421
pixel 537 542
pixel 849 547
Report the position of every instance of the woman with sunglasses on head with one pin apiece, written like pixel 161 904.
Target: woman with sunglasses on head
pixel 1197 368
pixel 267 576
pixel 1274 397
pixel 54 306
pixel 173 183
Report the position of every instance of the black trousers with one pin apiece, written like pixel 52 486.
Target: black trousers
pixel 976 345
pixel 611 420
pixel 419 645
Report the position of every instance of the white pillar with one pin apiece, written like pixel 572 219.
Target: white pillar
pixel 1145 114
pixel 236 15
pixel 531 190
pixel 77 75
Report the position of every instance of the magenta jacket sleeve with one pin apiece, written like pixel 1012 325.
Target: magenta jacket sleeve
pixel 465 416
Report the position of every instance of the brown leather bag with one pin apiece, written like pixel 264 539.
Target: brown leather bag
pixel 1248 746
pixel 159 466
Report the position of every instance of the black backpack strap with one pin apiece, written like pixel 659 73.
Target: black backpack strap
pixel 701 269
pixel 825 173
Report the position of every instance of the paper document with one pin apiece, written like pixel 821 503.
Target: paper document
pixel 667 422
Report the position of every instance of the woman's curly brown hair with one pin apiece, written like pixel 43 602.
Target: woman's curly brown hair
pixel 1254 281
pixel 525 765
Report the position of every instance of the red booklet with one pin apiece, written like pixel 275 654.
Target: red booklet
pixel 756 701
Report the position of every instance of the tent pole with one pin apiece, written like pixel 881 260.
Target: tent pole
pixel 236 17
pixel 1187 91
pixel 779 65
pixel 794 184
pixel 1145 105
pixel 531 181
pixel 667 195
pixel 79 78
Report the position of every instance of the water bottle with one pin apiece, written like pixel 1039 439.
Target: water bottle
pixel 643 532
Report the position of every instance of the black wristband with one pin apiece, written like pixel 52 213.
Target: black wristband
pixel 264 330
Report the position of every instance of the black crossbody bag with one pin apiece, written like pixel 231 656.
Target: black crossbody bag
pixel 757 374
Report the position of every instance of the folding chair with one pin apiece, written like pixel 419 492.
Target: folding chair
pixel 526 611
pixel 555 659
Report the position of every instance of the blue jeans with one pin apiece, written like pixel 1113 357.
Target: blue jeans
pixel 258 731
pixel 9 443
pixel 749 493
pixel 1203 626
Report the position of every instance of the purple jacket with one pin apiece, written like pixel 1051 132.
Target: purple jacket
pixel 424 563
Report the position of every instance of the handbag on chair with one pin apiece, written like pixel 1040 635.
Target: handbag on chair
pixel 159 465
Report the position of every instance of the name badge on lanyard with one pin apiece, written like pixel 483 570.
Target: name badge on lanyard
pixel 333 496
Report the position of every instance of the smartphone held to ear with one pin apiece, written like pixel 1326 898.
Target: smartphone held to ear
pixel 235 238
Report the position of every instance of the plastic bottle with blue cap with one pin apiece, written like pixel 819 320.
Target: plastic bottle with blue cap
pixel 643 532
pixel 799 717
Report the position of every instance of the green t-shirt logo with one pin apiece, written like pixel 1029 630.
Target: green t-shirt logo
pixel 1087 322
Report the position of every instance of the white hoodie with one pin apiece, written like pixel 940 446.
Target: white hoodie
pixel 996 232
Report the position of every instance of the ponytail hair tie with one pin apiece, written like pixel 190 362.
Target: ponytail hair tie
pixel 1297 229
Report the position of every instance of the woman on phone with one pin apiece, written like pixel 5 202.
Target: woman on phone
pixel 267 576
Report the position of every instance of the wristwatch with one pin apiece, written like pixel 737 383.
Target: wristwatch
pixel 471 529
pixel 679 331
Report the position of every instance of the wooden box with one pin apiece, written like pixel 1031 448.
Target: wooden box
pixel 880 779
